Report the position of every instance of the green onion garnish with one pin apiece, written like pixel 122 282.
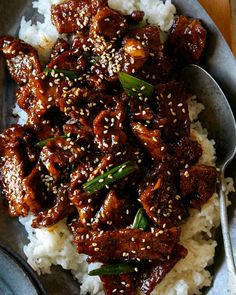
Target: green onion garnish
pixel 137 26
pixel 109 177
pixel 135 87
pixel 44 142
pixel 57 73
pixel 140 220
pixel 115 269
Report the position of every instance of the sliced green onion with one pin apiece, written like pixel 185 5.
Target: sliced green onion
pixel 109 177
pixel 115 269
pixel 44 142
pixel 57 73
pixel 135 87
pixel 137 26
pixel 140 220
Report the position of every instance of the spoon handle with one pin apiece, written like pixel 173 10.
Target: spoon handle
pixel 226 237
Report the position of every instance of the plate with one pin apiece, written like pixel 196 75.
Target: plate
pixel 22 279
pixel 218 61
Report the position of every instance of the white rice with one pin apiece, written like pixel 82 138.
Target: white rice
pixel 54 246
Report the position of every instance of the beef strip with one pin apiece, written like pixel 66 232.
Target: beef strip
pixel 108 23
pixel 60 209
pixel 22 59
pixel 113 214
pixel 197 184
pixel 187 39
pixel 74 15
pixel 123 283
pixel 126 244
pixel 158 195
pixel 153 273
pixel 69 60
pixel 186 150
pixel 173 116
pixel 151 140
pixel 15 165
pixel 60 46
pixel 58 154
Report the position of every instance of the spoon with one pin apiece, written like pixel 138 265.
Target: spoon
pixel 220 123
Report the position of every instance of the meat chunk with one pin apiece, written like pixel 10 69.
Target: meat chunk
pixel 107 127
pixel 135 17
pixel 135 243
pixel 151 140
pixel 108 23
pixel 187 39
pixel 69 60
pixel 22 59
pixel 60 46
pixel 113 214
pixel 158 195
pixel 58 154
pixel 155 272
pixel 14 167
pixel 123 283
pixel 186 150
pixel 197 184
pixel 74 15
pixel 173 116
pixel 60 209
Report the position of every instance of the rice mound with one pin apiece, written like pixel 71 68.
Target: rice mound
pixel 54 246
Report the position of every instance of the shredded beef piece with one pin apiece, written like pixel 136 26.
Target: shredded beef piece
pixel 135 243
pixel 113 213
pixel 154 272
pixel 158 195
pixel 22 59
pixel 173 116
pixel 107 127
pixel 60 209
pixel 187 39
pixel 108 23
pixel 60 46
pixel 59 154
pixel 187 151
pixel 74 15
pixel 123 284
pixel 197 184
pixel 69 60
pixel 15 165
pixel 151 140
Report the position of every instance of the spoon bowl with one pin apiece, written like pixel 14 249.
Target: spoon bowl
pixel 219 120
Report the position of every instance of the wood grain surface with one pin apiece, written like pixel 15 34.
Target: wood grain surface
pixel 221 12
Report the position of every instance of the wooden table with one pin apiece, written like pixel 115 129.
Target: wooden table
pixel 222 13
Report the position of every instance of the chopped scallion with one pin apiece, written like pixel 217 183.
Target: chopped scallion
pixel 109 177
pixel 57 73
pixel 135 87
pixel 44 142
pixel 140 220
pixel 115 269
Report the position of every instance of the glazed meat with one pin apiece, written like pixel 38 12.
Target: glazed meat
pixel 187 39
pixel 22 59
pixel 74 15
pixel 107 145
pixel 127 244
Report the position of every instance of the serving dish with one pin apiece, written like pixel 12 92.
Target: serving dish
pixel 218 60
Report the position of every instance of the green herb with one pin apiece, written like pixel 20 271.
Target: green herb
pixel 61 74
pixel 109 177
pixel 115 269
pixel 140 220
pixel 137 26
pixel 44 142
pixel 135 87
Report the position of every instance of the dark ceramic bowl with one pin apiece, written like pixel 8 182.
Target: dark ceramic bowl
pixel 218 61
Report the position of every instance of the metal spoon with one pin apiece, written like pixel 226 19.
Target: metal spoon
pixel 220 123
